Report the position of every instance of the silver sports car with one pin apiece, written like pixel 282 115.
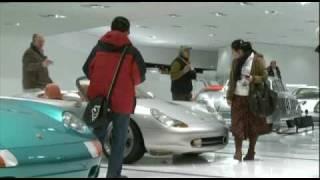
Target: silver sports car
pixel 288 106
pixel 308 97
pixel 157 127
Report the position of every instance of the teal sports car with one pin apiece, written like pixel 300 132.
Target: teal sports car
pixel 41 140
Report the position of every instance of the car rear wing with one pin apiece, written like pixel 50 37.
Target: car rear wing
pixel 82 87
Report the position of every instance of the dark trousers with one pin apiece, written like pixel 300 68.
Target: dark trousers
pixel 181 97
pixel 120 124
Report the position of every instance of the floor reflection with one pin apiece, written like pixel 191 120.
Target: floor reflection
pixel 277 155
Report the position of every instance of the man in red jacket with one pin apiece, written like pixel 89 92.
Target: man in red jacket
pixel 100 68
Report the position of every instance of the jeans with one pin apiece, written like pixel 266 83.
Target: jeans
pixel 119 137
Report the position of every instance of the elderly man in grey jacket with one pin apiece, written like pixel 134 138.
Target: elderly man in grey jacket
pixel 35 65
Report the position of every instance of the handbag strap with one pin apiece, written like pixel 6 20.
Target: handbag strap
pixel 115 76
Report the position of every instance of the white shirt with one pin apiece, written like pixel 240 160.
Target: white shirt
pixel 242 85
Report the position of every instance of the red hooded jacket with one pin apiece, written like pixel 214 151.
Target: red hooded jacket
pixel 101 65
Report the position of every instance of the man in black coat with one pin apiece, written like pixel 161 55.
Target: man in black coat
pixel 273 70
pixel 182 74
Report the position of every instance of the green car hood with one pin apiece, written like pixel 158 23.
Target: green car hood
pixel 25 123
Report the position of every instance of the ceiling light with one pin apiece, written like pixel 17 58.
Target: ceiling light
pixel 174 15
pixel 219 14
pixel 55 16
pixel 94 6
pixel 159 42
pixel 12 24
pixel 142 27
pixel 211 35
pixel 245 4
pixel 304 3
pixel 211 26
pixel 271 12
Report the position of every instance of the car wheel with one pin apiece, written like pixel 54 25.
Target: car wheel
pixel 134 148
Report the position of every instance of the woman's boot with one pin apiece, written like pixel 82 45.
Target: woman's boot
pixel 238 154
pixel 251 150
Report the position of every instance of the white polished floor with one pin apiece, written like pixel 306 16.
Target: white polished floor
pixel 285 155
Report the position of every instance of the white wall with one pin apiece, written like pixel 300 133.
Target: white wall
pixel 69 51
pixel 201 59
pixel 298 65
pixel 11 51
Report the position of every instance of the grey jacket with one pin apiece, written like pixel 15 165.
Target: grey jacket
pixel 34 74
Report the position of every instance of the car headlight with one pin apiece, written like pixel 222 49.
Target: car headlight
pixel 74 123
pixel 166 120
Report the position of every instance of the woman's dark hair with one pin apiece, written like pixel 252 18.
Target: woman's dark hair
pixel 120 24
pixel 247 49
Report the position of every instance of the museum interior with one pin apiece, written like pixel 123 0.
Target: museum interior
pixel 159 89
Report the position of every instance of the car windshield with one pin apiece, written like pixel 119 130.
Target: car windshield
pixel 307 93
pixel 317 108
pixel 278 86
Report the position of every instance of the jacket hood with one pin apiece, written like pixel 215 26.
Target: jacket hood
pixel 116 38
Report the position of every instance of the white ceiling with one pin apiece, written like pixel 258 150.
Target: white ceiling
pixel 290 27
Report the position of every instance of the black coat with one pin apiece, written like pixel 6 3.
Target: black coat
pixel 271 73
pixel 183 85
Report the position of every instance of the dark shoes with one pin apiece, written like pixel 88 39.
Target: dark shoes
pixel 238 156
pixel 249 156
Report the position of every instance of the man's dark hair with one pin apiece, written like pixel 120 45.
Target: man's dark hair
pixel 247 49
pixel 120 24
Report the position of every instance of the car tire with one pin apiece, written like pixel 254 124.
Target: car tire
pixel 137 148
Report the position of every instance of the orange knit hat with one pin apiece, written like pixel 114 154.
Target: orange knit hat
pixel 52 91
